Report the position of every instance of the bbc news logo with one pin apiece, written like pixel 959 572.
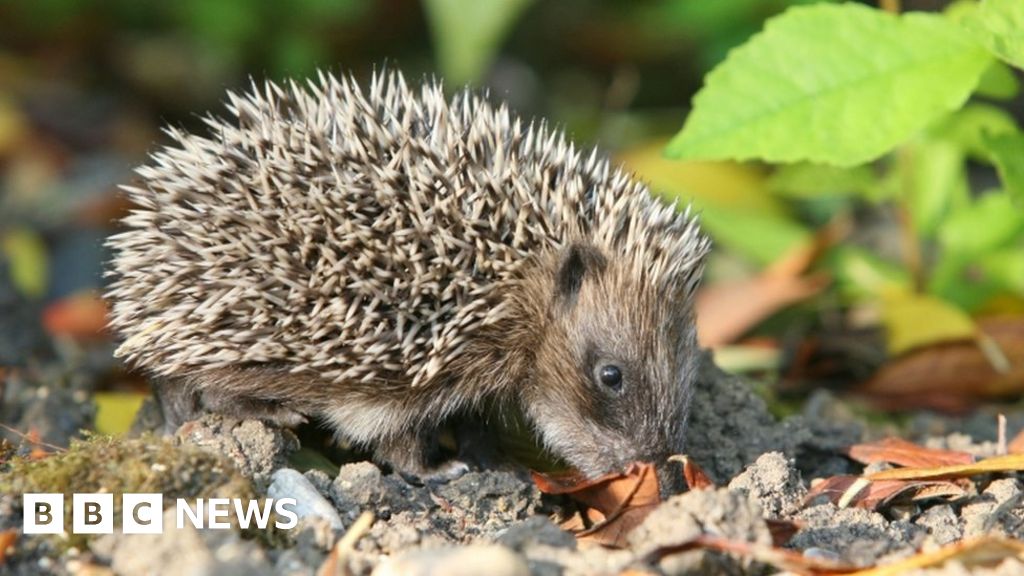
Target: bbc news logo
pixel 144 513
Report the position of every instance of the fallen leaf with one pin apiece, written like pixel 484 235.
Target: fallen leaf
pixel 1007 463
pixel 871 494
pixel 611 505
pixel 984 551
pixel 7 539
pixel 696 478
pixel 782 530
pixel 904 453
pixel 917 320
pixel 115 411
pixel 80 316
pixel 953 376
pixel 726 310
pixel 1016 446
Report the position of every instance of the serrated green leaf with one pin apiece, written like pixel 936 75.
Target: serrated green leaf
pixel 1007 153
pixel 832 84
pixel 985 225
pixel 999 25
pixel 468 32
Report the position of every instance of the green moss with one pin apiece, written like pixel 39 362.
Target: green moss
pixel 118 465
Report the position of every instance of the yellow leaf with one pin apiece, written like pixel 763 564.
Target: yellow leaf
pixel 916 320
pixel 26 253
pixel 721 184
pixel 13 126
pixel 115 411
pixel 1005 463
pixel 983 551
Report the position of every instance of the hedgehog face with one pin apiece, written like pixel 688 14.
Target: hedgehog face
pixel 615 368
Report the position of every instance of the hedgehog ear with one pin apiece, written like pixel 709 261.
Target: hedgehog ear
pixel 578 262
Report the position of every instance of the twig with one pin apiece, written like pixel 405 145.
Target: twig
pixel 335 562
pixel 1001 434
pixel 28 438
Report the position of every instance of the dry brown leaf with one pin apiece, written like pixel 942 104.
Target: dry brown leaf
pixel 611 505
pixel 726 310
pixel 1007 463
pixel 1016 446
pixel 904 453
pixel 693 474
pixel 7 539
pixel 984 551
pixel 782 530
pixel 862 492
pixel 780 558
pixel 954 376
pixel 81 316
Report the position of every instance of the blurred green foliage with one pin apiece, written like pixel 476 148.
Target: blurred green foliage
pixel 852 102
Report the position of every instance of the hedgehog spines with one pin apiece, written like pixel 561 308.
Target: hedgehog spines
pixel 364 235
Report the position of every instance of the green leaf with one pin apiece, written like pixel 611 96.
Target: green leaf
pixel 935 183
pixel 968 127
pixel 999 25
pixel 998 82
pixel 861 275
pixel 1006 268
pixel 987 224
pixel 763 238
pixel 467 33
pixel 815 181
pixel 832 84
pixel 1007 153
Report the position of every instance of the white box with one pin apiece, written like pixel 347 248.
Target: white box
pixel 42 513
pixel 92 514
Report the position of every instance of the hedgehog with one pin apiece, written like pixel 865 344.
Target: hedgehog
pixel 397 265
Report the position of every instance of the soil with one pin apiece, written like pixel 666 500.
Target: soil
pixel 494 520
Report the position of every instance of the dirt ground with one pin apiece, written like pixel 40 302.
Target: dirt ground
pixel 362 520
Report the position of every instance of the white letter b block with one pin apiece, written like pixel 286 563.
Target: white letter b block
pixel 92 514
pixel 44 513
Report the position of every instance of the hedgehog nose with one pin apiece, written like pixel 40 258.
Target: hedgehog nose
pixel 670 478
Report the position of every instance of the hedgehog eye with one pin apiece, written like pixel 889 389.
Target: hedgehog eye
pixel 610 376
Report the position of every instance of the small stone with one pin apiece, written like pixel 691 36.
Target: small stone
pixel 464 561
pixel 774 483
pixel 289 483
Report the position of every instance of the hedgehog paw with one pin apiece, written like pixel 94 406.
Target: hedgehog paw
pixel 443 474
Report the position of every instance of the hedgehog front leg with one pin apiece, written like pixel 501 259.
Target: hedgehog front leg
pixel 419 457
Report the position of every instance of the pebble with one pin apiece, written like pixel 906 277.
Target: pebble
pixel 464 561
pixel 290 483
